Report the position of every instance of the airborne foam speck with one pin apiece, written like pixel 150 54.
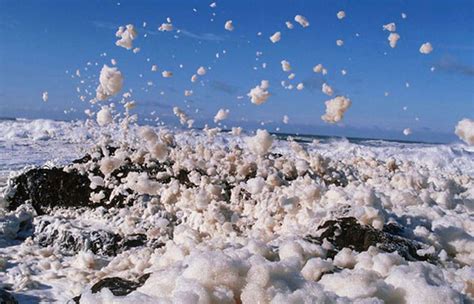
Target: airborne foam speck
pixel 275 37
pixel 426 48
pixel 302 20
pixel 229 25
pixel 393 39
pixel 341 15
pixel 45 96
pixel 221 115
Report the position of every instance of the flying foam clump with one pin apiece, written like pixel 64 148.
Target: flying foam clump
pixel 259 94
pixel 45 96
pixel 126 34
pixel 110 82
pixel 426 48
pixel 229 26
pixel 166 27
pixel 221 115
pixel 326 89
pixel 183 117
pixel 341 15
pixel 275 37
pixel 167 74
pixel 289 25
pixel 104 116
pixel 260 143
pixel 407 131
pixel 393 39
pixel 391 27
pixel 335 109
pixel 302 20
pixel 285 66
pixel 340 42
pixel 201 71
pixel 286 119
pixel 465 130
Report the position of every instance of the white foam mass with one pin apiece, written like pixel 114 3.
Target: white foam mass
pixel 339 42
pixel 335 109
pixel 285 66
pixel 289 25
pixel 201 71
pixel 229 25
pixel 126 34
pixel 275 37
pixel 341 15
pixel 45 96
pixel 166 27
pixel 110 82
pixel 426 48
pixel 391 27
pixel 167 74
pixel 221 115
pixel 465 130
pixel 393 39
pixel 326 89
pixel 260 143
pixel 318 68
pixel 406 131
pixel 302 20
pixel 286 119
pixel 259 94
pixel 104 116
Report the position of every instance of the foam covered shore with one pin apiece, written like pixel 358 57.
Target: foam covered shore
pixel 238 219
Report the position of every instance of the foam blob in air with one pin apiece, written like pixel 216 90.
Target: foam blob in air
pixel 45 96
pixel 221 115
pixel 341 15
pixel 302 20
pixel 393 39
pixel 285 66
pixel 259 94
pixel 335 109
pixel 426 48
pixel 275 37
pixel 110 82
pixel 465 130
pixel 104 116
pixel 126 34
pixel 229 26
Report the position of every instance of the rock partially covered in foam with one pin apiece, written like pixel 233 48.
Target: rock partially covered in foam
pixel 48 188
pixel 347 232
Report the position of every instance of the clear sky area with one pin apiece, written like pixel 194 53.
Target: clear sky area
pixel 44 43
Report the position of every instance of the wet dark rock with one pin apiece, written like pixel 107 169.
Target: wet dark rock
pixel 48 188
pixel 348 232
pixel 118 286
pixel 70 239
pixel 6 297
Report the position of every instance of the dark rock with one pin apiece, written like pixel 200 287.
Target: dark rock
pixel 348 232
pixel 70 239
pixel 134 240
pixel 48 188
pixel 6 297
pixel 118 286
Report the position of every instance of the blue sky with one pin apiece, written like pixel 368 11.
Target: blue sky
pixel 43 39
